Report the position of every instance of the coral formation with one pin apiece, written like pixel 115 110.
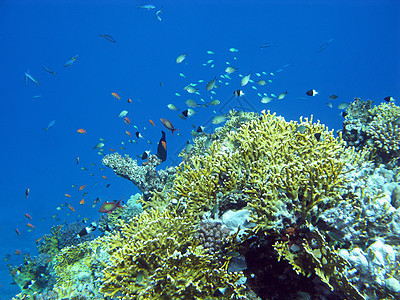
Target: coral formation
pixel 384 130
pixel 155 257
pixel 376 128
pixel 78 270
pixel 113 220
pixel 287 172
pixel 145 177
pixel 34 274
pixel 49 242
pixel 280 208
pixel 212 235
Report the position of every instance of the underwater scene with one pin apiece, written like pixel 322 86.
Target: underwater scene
pixel 200 149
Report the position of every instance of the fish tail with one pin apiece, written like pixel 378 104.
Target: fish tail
pixel 173 130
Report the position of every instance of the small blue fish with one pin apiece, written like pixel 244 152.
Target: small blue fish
pixel 158 12
pixel 70 61
pixel 51 124
pixel 148 6
pixel 29 76
pixel 48 70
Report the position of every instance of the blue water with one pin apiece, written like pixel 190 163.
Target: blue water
pixel 361 60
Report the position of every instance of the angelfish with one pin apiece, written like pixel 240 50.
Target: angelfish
pixel 108 207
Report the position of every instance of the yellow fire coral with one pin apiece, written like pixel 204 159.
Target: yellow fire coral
pixel 317 257
pixel 155 257
pixel 77 269
pixel 274 162
pixel 284 170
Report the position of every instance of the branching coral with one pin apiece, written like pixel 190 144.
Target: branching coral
pixel 276 164
pixel 286 172
pixel 314 256
pixel 75 268
pixel 156 257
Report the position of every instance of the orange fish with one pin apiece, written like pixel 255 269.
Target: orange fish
pixel 27 192
pixel 164 144
pixel 152 123
pixel 104 176
pixel 129 100
pixel 81 187
pixel 30 225
pixel 17 252
pixel 17 231
pixel 67 195
pixel 71 208
pixel 127 121
pixel 116 95
pixel 112 150
pixel 82 202
pixel 168 125
pixel 80 130
pixel 28 216
pixel 38 240
pixel 128 133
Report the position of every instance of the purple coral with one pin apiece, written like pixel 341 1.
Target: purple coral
pixel 212 236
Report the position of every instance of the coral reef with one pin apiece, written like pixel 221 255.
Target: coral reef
pixel 287 174
pixel 156 257
pixel 62 236
pixel 384 131
pixel 49 242
pixel 68 235
pixel 145 177
pixel 203 140
pixel 78 271
pixel 34 274
pixel 113 220
pixel 376 128
pixel 262 206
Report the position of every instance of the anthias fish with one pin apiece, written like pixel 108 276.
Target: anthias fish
pixel 168 125
pixel 108 207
